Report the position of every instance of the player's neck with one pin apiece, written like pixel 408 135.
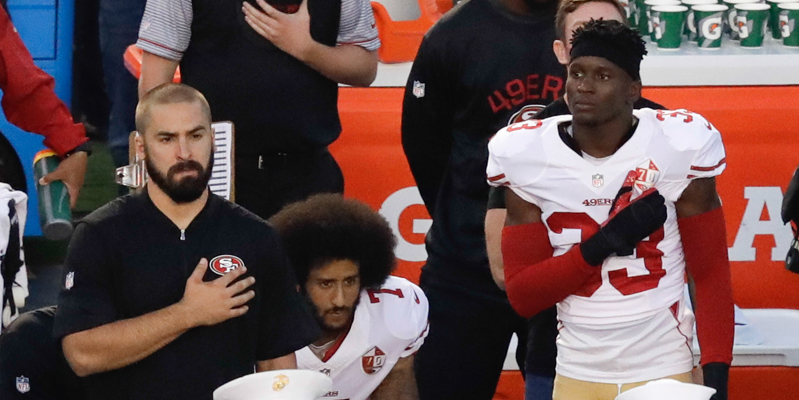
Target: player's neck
pixel 180 214
pixel 332 335
pixel 603 140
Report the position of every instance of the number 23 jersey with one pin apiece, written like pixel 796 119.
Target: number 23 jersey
pixel 574 192
pixel 390 323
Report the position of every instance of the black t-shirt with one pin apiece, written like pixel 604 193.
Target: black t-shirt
pixel 32 365
pixel 476 67
pixel 128 259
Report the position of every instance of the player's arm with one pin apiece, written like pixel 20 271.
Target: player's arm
pixel 348 64
pixel 527 251
pixel 289 361
pixel 704 239
pixel 399 384
pixel 155 70
pixel 427 121
pixel 121 343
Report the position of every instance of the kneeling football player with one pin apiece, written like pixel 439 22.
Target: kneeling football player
pixel 343 254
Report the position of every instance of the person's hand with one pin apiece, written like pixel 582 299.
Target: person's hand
pixel 716 375
pixel 209 303
pixel 622 232
pixel 71 171
pixel 288 32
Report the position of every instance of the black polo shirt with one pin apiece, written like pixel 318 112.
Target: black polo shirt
pixel 128 259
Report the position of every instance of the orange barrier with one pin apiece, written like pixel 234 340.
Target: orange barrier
pixel 401 39
pixel 132 59
pixel 757 124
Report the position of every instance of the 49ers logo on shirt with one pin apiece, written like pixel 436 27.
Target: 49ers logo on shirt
pixel 221 265
pixel 525 114
pixel 373 360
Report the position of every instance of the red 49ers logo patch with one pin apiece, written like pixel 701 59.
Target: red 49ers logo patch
pixel 373 360
pixel 221 265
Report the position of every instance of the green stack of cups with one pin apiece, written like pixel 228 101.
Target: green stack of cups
pixel 774 17
pixel 629 10
pixel 668 23
pixel 789 24
pixel 646 15
pixel 709 25
pixel 55 215
pixel 752 20
pixel 730 24
pixel 690 25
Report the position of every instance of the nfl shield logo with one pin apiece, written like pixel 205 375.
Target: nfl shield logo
pixel 23 384
pixel 70 281
pixel 418 89
pixel 597 180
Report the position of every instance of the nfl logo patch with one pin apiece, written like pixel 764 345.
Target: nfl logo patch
pixel 23 384
pixel 70 281
pixel 597 180
pixel 373 360
pixel 418 89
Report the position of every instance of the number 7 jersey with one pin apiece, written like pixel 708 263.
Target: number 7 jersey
pixel 389 323
pixel 574 192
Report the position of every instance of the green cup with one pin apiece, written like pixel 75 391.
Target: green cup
pixel 752 20
pixel 629 11
pixel 774 17
pixel 667 23
pixel 690 25
pixel 55 215
pixel 646 15
pixel 709 25
pixel 789 24
pixel 730 24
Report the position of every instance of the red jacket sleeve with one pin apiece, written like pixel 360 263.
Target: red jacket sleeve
pixel 704 241
pixel 28 98
pixel 534 280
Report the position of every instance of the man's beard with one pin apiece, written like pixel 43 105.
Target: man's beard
pixel 320 319
pixel 187 189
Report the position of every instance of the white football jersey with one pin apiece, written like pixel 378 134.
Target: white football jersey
pixel 389 323
pixel 667 151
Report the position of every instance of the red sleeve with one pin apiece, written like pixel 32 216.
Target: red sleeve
pixel 534 280
pixel 704 241
pixel 28 98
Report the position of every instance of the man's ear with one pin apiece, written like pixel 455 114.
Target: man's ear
pixel 560 51
pixel 635 91
pixel 138 143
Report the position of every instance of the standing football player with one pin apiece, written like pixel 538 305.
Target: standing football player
pixel 606 220
pixel 372 323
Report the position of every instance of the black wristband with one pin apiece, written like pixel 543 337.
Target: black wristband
pixel 85 147
pixel 716 375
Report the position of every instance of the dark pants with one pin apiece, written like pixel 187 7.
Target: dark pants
pixel 119 28
pixel 541 354
pixel 265 187
pixel 463 354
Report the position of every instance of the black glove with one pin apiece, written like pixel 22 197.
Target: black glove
pixel 622 232
pixel 716 375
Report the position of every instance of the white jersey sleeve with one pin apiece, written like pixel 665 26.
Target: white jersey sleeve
pixel 695 140
pixel 405 316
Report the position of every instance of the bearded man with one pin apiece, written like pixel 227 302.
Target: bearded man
pixel 172 292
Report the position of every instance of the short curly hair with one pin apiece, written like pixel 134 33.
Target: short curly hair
pixel 613 41
pixel 328 227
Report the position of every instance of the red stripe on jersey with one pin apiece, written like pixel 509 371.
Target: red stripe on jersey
pixel 722 162
pixel 674 308
pixel 332 350
pixel 496 178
